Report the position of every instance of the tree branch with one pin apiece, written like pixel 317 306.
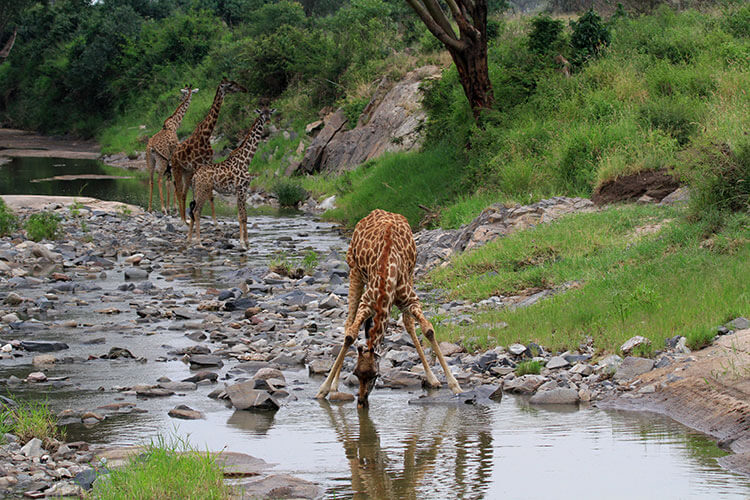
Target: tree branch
pixel 437 14
pixel 435 29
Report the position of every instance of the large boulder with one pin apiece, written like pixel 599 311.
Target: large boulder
pixel 392 121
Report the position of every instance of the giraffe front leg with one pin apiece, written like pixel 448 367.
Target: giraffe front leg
pixel 150 166
pixel 242 216
pixel 432 380
pixel 428 331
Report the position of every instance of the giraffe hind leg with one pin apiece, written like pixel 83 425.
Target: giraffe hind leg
pixel 432 380
pixel 428 331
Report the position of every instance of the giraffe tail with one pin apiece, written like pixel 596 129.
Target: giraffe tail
pixel 168 171
pixel 191 210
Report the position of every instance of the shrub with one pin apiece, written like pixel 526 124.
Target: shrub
pixel 590 36
pixel 738 22
pixel 8 220
pixel 719 177
pixel 529 367
pixel 289 193
pixel 42 225
pixel 544 34
pixel 29 420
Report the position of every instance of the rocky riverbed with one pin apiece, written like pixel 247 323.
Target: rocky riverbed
pixel 122 313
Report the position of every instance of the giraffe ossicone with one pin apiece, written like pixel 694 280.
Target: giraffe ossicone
pixel 381 257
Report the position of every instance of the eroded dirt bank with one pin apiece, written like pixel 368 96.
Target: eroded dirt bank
pixel 708 391
pixel 15 142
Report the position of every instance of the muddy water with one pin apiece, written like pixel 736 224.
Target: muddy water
pixel 395 450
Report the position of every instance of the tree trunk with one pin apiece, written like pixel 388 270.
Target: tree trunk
pixel 474 76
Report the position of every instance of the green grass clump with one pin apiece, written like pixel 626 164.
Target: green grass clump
pixel 8 220
pixel 42 225
pixel 698 338
pixel 657 283
pixel 166 470
pixel 29 420
pixel 289 193
pixel 528 367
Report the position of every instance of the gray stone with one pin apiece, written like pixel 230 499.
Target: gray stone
pixel 556 396
pixel 64 489
pixel 280 486
pixel 244 397
pixel 634 342
pixel 43 345
pixel 135 274
pixel 202 375
pixel 36 377
pixel 185 412
pixel 398 379
pixel 525 384
pixel 517 349
pixel 739 324
pixel 483 395
pixel 331 302
pixel 201 360
pixel 557 362
pixel 178 386
pixel 631 367
pixel 449 348
pixel 33 448
pixel 679 196
pixel 319 366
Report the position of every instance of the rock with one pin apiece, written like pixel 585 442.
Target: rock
pixel 85 478
pixel 267 373
pixel 36 377
pixel 154 393
pixel 280 486
pixel 340 397
pixel 64 489
pixel 185 412
pixel 449 348
pixel 483 395
pixel 397 379
pixel 556 396
pixel 45 253
pixel 134 259
pixel 135 274
pixel 525 384
pixel 331 302
pixel 202 375
pixel 13 299
pixel 43 359
pixel 10 318
pixel 33 448
pixel 632 343
pixel 582 369
pixel 557 362
pixel 43 345
pixel 679 196
pixel 631 367
pixel 244 397
pixel 178 386
pixel 117 353
pixel 517 349
pixel 739 324
pixel 319 366
pixel 610 363
pixel 201 360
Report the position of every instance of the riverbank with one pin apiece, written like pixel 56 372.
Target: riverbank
pixel 15 142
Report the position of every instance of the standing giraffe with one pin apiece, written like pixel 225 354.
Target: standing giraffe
pixel 381 256
pixel 196 149
pixel 161 146
pixel 228 177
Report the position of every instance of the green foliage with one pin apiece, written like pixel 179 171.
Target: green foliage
pixel 698 338
pixel 294 267
pixel 167 470
pixel 544 34
pixel 289 193
pixel 8 220
pixel 42 225
pixel 677 117
pixel 28 420
pixel 719 177
pixel 528 367
pixel 590 36
pixel 738 22
pixel 310 261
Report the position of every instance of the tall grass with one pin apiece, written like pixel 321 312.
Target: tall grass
pixel 29 420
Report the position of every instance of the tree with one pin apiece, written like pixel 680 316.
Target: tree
pixel 468 48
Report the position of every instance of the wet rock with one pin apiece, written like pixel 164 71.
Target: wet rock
pixel 340 397
pixel 117 353
pixel 289 359
pixel 185 412
pixel 483 395
pixel 154 393
pixel 135 274
pixel 202 360
pixel 267 373
pixel 43 359
pixel 178 386
pixel 64 489
pixel 36 377
pixel 280 486
pixel 631 367
pixel 33 448
pixel 525 384
pixel 555 396
pixel 202 375
pixel 43 345
pixel 632 343
pixel 244 397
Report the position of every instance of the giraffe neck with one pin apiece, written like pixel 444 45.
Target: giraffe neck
pixel 173 122
pixel 246 150
pixel 206 127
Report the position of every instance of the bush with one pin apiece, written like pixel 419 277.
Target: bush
pixel 42 225
pixel 289 193
pixel 590 36
pixel 719 177
pixel 545 33
pixel 8 220
pixel 528 367
pixel 738 23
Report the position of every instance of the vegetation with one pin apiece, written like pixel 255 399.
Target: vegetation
pixel 8 220
pixel 28 420
pixel 42 225
pixel 166 470
pixel 289 193
pixel 528 367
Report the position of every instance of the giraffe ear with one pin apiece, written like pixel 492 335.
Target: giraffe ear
pixel 195 90
pixel 359 349
pixel 258 111
pixel 272 111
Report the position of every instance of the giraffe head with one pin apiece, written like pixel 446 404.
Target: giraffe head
pixel 230 86
pixel 188 89
pixel 265 113
pixel 367 368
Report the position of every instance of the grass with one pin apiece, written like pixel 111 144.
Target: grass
pixel 529 367
pixel 8 220
pixel 42 225
pixel 29 420
pixel 655 284
pixel 166 470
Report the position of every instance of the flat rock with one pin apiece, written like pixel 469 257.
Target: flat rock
pixel 556 396
pixel 399 379
pixel 202 375
pixel 557 362
pixel 201 360
pixel 33 448
pixel 340 397
pixel 185 412
pixel 525 384
pixel 135 274
pixel 632 343
pixel 483 395
pixel 449 348
pixel 235 464
pixel 631 367
pixel 154 393
pixel 280 486
pixel 43 345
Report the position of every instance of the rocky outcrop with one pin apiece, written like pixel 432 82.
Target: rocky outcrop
pixel 392 121
pixel 436 246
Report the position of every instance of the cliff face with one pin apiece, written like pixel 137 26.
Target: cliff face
pixel 392 121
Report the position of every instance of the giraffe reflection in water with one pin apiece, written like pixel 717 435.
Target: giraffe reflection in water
pixel 443 457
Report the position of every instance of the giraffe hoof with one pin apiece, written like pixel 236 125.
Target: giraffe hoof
pixel 432 384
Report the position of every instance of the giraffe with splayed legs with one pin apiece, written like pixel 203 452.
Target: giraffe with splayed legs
pixel 162 145
pixel 228 177
pixel 196 150
pixel 381 259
